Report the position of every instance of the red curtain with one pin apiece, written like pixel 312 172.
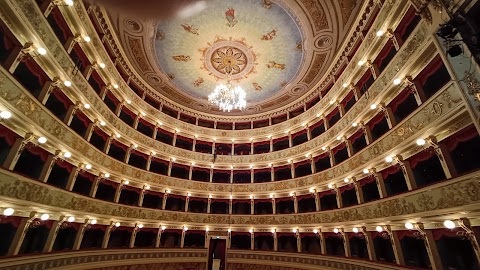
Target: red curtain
pixel 101 133
pixel 58 17
pixel 65 165
pixel 332 113
pixel 440 233
pixel 184 138
pixel 285 234
pixel 339 147
pixel 130 188
pixel 146 123
pixel 323 155
pixel 406 20
pixel 347 99
pixel 261 143
pixel 158 160
pixel 356 135
pixel 367 180
pixel 400 98
pixel 364 79
pixel 317 124
pixel 376 120
pixel 389 171
pixel 420 157
pixel 83 118
pixel 346 187
pixel 280 139
pixel 112 97
pixel 281 167
pixel 326 193
pixel 81 55
pixel 140 154
pixel 284 199
pixel 204 142
pixel 464 135
pixel 240 233
pixel 97 78
pixel 199 199
pixel 262 170
pixel 241 172
pixel 36 70
pixel 404 233
pixel 60 96
pixel 15 221
pixel 201 169
pixel 120 145
pixel 110 183
pixel 429 70
pixel 128 112
pixel 90 177
pixel 384 53
pixel 301 163
pixel 37 151
pixel 8 135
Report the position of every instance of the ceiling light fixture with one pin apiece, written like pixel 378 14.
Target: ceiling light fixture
pixel 227 97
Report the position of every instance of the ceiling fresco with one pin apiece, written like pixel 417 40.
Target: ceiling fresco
pixel 276 50
pixel 258 45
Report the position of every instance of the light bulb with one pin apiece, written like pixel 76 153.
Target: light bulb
pixel 355 229
pixel 118 135
pixel 409 225
pixel 69 2
pixel 140 226
pixel 8 212
pixel 88 166
pixel 250 231
pixel 346 180
pixel 366 171
pixel 147 187
pixel 126 182
pixel 168 191
pixel 67 83
pixel 361 62
pixel 107 175
pixel 379 228
pixel 449 224
pixel 345 85
pixel 380 33
pixel 185 229
pixel 41 51
pixel 164 228
pixel 315 231
pixel 86 106
pixel 389 159
pixel 71 219
pixel 67 155
pixel 207 229
pixel 44 216
pixel 87 39
pixel 273 230
pixel 294 230
pixel 373 106
pixel 5 114
pixel 42 140
pixel 102 65
pixel 330 185
pixel 93 221
pixel 397 81
pixel 335 230
pixel 421 142
pixel 354 124
pixel 102 123
pixel 229 230
pixel 115 86
pixel 117 224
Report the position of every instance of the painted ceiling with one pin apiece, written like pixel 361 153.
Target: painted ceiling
pixel 278 51
pixel 259 45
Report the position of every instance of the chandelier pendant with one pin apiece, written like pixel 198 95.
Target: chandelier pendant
pixel 227 97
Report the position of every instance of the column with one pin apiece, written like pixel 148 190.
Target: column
pixel 211 175
pixel 118 110
pixel 382 191
pixel 230 206
pixel 317 200
pixel 131 244
pixel 332 157
pixel 325 122
pixel 271 144
pixel 309 133
pixel 72 109
pixel 190 172
pixel 174 138
pixel 349 146
pixel 164 201
pixel 252 207
pixel 103 92
pixel 295 203
pixel 272 174
pixel 52 234
pixel 346 243
pixel 397 247
pixel 149 161
pixel 252 148
pixel 187 200
pixel 213 148
pixel 367 132
pixel 108 143
pixel 231 176
pixel 292 170
pixel 369 242
pixel 16 151
pixel 312 165
pixel 299 242
pixel 118 192
pixel 467 227
pixel 341 108
pixel 387 111
pixel 48 166
pixel 93 190
pixel 47 90
pixel 194 143
pixel 89 131
pixel 275 241
pixel 106 236
pixel 274 205
pixel 444 157
pixel 373 69
pixel 323 245
pixel 17 55
pixel 229 238
pixel 339 197
pixel 79 236
pixel 431 247
pixel 155 131
pixel 142 195
pixel 252 175
pixel 395 38
pixel 290 142
pixel 129 152
pixel 182 240
pixel 170 167
pixel 158 238
pixel 209 205
pixel 207 240
pixel 252 241
pixel 70 43
pixel 358 191
pixel 356 92
pixel 22 229
pixel 417 90
pixel 88 71
pixel 135 122
pixel 73 177
pixel 407 172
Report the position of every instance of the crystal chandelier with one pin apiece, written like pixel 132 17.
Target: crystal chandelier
pixel 227 97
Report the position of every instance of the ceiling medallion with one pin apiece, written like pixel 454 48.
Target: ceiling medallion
pixel 229 56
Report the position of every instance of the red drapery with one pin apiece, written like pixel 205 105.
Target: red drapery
pixel 128 112
pixel 120 145
pixel 158 160
pixel 204 143
pixel 146 123
pixel 101 133
pixel 284 199
pixel 280 139
pixel 358 134
pixel 390 170
pixel 109 183
pixel 283 167
pixel 430 69
pixel 404 233
pixel 464 135
pixel 240 233
pixel 267 200
pixel 346 187
pixel 400 98
pixel 384 52
pixel 90 177
pixel 184 139
pixel 338 148
pixel 317 124
pixel 60 96
pixel 406 20
pixel 15 221
pixel 376 120
pixel 178 165
pixel 65 165
pixel 195 232
pixel 140 154
pixel 36 70
pixel 364 79
pixel 323 155
pixel 130 188
pixel 97 78
pixel 262 170
pixel 440 233
pixel 200 169
pixel 301 163
pixel 8 135
pixel 332 113
pixel 112 97
pixel 299 133
pixel 291 234
pixel 261 143
pixel 198 199
pixel 83 118
pixel 62 24
pixel 367 180
pixel 420 157
pixel 326 193
pixel 308 196
pixel 347 99
pixel 81 55
pixel 37 151
pixel 241 172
